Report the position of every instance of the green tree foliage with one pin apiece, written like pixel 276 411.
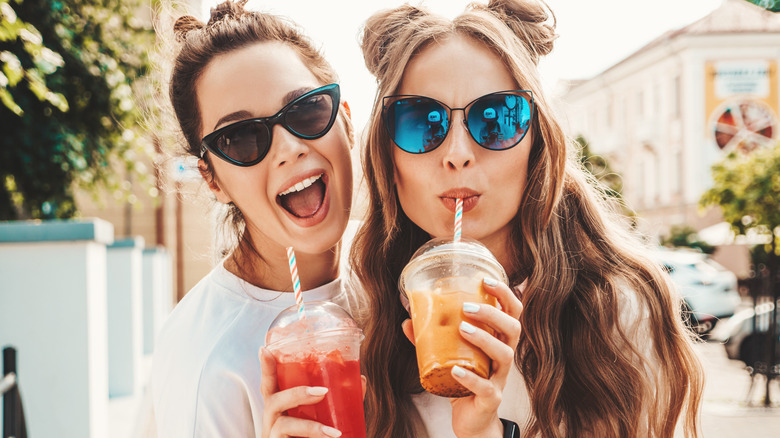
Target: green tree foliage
pixel 75 70
pixel 685 236
pixel 770 5
pixel 747 189
pixel 12 73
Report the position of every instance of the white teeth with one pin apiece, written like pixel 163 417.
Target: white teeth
pixel 301 185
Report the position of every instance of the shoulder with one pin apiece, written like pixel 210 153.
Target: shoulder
pixel 205 370
pixel 207 304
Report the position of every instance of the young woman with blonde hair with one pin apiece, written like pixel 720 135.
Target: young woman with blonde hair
pixel 603 351
pixel 260 109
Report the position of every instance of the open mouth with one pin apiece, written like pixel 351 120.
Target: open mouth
pixel 305 198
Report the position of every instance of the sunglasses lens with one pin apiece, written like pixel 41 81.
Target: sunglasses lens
pixel 417 124
pixel 499 121
pixel 311 117
pixel 245 143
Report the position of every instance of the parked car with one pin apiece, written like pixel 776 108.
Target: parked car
pixel 708 289
pixel 739 339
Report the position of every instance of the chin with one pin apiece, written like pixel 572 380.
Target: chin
pixel 318 242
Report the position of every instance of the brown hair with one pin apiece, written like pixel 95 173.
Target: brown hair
pixel 589 289
pixel 230 28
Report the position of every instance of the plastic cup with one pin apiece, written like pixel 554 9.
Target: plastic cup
pixel 322 349
pixel 441 276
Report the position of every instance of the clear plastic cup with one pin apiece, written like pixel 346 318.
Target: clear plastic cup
pixel 322 349
pixel 440 277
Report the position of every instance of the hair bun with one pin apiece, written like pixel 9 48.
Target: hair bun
pixel 528 20
pixel 381 29
pixel 185 24
pixel 227 9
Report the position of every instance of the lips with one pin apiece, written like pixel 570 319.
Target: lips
pixel 470 198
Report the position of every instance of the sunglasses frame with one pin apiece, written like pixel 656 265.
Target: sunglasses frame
pixel 331 90
pixel 395 98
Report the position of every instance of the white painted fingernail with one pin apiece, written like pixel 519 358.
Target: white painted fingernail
pixel 329 431
pixel 458 371
pixel 466 327
pixel 490 281
pixel 316 390
pixel 470 307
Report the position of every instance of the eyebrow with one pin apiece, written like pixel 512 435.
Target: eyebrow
pixel 243 114
pixel 233 117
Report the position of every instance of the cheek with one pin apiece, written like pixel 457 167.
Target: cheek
pixel 511 176
pixel 338 153
pixel 412 182
pixel 405 173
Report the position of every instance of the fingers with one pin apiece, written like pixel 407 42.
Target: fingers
pixel 268 381
pixel 506 328
pixel 507 299
pixel 297 427
pixel 501 353
pixel 277 402
pixel 292 398
pixel 486 391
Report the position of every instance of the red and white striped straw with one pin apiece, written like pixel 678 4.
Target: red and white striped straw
pixel 296 281
pixel 458 219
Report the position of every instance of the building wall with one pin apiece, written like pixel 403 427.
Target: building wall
pixel 179 219
pixel 648 116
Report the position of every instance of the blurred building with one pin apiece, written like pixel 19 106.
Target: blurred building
pixel 666 113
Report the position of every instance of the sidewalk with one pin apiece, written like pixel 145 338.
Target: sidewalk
pixel 726 413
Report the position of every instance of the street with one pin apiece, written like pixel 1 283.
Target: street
pixel 725 411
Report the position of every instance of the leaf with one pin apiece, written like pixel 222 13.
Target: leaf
pixel 8 101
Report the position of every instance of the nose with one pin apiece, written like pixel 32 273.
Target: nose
pixel 286 148
pixel 458 145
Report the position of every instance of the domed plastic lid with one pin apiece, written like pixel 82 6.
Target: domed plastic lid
pixel 447 246
pixel 444 249
pixel 321 317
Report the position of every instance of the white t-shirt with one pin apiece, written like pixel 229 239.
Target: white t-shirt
pixel 205 376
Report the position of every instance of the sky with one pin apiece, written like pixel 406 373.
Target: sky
pixel 593 34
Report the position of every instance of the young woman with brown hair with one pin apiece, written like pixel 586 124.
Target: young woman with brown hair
pixel 260 108
pixel 603 351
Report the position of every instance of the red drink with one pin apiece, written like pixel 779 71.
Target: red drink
pixel 321 348
pixel 342 406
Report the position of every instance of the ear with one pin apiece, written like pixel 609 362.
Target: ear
pixel 208 176
pixel 345 104
pixel 408 330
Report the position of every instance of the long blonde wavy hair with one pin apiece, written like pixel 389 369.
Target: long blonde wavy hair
pixel 604 351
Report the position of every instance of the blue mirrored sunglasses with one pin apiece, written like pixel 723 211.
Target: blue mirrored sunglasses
pixel 496 121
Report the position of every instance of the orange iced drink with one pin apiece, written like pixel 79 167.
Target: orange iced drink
pixel 436 316
pixel 441 276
